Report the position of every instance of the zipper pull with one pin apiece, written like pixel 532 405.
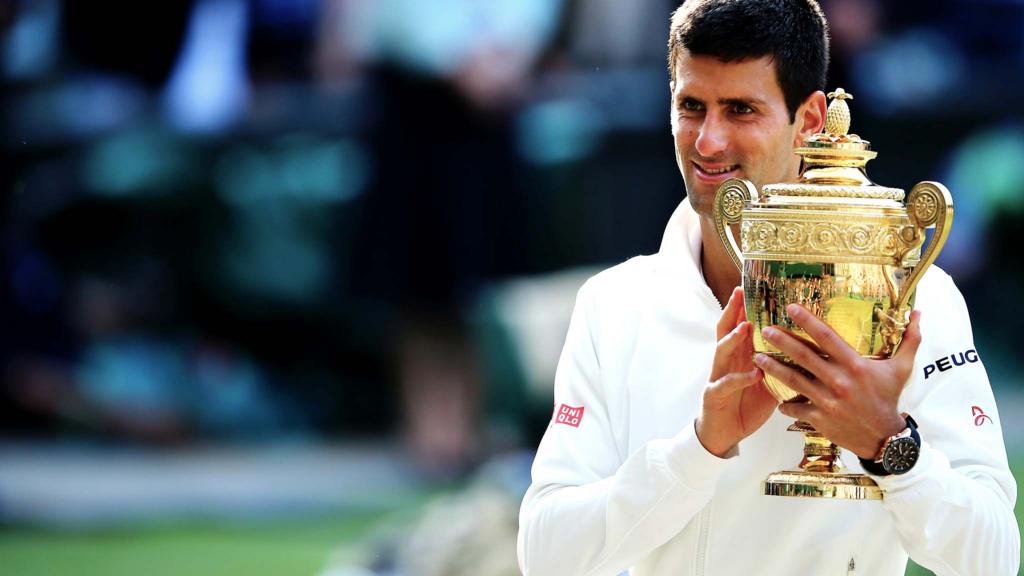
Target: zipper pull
pixel 851 567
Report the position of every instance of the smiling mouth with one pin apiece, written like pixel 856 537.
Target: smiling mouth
pixel 715 171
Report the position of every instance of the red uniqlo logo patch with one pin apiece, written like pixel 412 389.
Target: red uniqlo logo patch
pixel 569 415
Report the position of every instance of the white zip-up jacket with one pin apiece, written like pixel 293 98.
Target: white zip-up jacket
pixel 620 480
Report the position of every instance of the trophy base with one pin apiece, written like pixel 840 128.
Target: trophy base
pixel 844 486
pixel 821 473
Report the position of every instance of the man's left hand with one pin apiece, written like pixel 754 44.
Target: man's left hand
pixel 852 399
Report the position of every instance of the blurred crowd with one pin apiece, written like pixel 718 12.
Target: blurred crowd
pixel 236 220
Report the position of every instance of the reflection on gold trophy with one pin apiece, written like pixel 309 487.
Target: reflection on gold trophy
pixel 846 249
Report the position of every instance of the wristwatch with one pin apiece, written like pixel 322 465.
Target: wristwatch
pixel 899 452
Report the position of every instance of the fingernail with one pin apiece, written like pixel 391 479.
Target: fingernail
pixel 760 359
pixel 794 310
pixel 769 333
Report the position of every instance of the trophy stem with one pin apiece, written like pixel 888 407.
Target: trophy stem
pixel 820 454
pixel 821 473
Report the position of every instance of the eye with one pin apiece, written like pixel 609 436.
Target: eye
pixel 691 105
pixel 741 108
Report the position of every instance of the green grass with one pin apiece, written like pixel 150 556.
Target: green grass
pixel 257 548
pixel 297 547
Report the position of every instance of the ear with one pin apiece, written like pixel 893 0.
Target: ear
pixel 672 117
pixel 810 117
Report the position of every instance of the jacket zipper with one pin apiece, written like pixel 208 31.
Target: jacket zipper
pixel 851 568
pixel 712 298
pixel 702 539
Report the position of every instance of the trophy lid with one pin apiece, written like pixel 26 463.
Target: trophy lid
pixel 834 161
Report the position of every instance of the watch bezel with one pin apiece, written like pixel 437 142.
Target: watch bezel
pixel 900 455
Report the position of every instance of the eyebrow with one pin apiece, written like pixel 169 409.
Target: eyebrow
pixel 744 101
pixel 728 101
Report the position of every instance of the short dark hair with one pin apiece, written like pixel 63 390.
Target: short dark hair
pixel 793 32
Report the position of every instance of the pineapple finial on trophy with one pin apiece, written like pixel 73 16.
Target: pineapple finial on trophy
pixel 837 117
pixel 835 156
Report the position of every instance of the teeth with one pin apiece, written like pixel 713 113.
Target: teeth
pixel 719 171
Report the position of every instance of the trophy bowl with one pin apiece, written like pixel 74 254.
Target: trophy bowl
pixel 844 248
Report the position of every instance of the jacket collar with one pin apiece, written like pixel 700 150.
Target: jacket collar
pixel 681 244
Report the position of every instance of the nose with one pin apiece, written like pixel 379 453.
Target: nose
pixel 713 140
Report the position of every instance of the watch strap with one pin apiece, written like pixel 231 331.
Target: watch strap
pixel 875 467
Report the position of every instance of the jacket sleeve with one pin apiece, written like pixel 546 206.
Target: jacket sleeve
pixel 954 510
pixel 589 510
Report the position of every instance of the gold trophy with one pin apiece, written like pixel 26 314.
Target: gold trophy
pixel 846 249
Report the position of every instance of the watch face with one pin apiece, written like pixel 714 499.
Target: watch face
pixel 900 455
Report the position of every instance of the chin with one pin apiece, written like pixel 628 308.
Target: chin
pixel 702 203
pixel 702 197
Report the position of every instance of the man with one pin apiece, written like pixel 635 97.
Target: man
pixel 662 436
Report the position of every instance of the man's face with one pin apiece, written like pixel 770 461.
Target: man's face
pixel 729 120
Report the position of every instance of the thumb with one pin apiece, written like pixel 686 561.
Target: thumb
pixel 730 315
pixel 741 305
pixel 911 339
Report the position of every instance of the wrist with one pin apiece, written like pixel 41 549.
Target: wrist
pixel 893 426
pixel 713 443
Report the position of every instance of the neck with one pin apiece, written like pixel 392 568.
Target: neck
pixel 720 273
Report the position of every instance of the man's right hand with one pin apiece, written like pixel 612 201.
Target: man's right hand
pixel 736 402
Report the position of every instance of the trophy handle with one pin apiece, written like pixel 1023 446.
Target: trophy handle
pixel 731 197
pixel 928 204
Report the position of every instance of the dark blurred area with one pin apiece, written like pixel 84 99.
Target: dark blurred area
pixel 249 221
pixel 233 219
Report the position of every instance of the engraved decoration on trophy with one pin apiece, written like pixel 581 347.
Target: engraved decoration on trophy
pixel 846 249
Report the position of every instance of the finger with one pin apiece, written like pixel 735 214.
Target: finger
pixel 824 336
pixel 741 305
pixel 730 317
pixel 790 377
pixel 804 411
pixel 911 339
pixel 734 338
pixel 737 346
pixel 736 341
pixel 799 351
pixel 734 382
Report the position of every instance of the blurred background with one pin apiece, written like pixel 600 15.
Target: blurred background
pixel 283 283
